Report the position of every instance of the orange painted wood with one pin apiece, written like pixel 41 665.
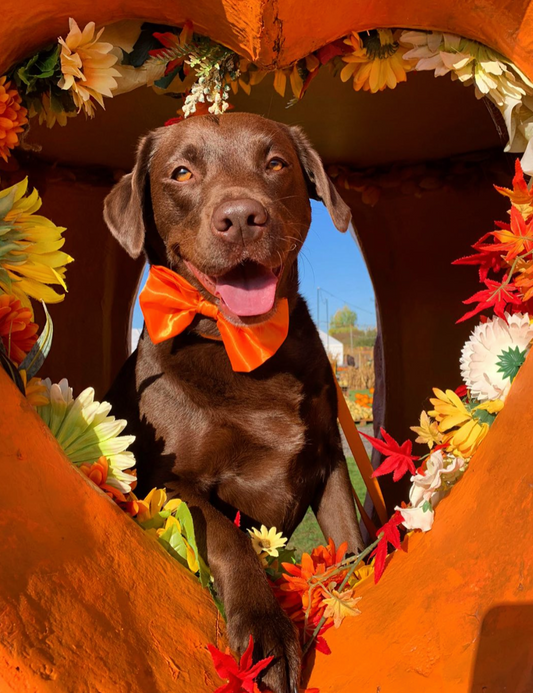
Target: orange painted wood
pixel 277 31
pixel 88 602
pixel 360 456
pixel 507 27
pixel 453 614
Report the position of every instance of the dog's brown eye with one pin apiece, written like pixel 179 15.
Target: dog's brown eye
pixel 182 174
pixel 276 165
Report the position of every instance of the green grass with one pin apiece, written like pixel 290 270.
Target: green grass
pixel 353 393
pixel 308 534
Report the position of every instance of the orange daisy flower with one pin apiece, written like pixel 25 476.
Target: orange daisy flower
pixel 97 473
pixel 13 116
pixel 299 591
pixel 17 332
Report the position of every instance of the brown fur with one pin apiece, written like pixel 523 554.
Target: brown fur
pixel 266 442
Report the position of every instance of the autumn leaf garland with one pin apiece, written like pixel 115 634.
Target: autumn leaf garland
pixel 460 420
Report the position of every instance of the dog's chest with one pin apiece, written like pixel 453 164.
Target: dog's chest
pixel 222 428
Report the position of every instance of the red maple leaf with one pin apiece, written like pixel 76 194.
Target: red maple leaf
pixel 169 39
pixel 310 77
pixel 461 391
pixel 497 295
pixel 515 238
pixel 398 457
pixel 388 534
pixel 486 257
pixel 240 676
pixel 520 195
pixel 327 53
pixel 171 44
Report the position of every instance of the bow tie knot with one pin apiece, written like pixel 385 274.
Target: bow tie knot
pixel 208 309
pixel 169 304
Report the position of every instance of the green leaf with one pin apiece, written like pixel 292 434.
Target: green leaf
pixel 483 416
pixel 10 368
pixel 61 100
pixel 166 80
pixel 510 361
pixel 6 203
pixel 40 350
pixel 205 576
pixel 172 541
pixel 184 517
pixel 275 568
pixel 36 71
pixel 5 278
pixel 217 600
pixel 156 522
pixel 49 63
pixel 427 506
pixel 24 72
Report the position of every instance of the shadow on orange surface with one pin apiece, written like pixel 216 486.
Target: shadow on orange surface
pixel 504 657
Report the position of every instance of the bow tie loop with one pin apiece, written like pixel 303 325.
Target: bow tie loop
pixel 169 304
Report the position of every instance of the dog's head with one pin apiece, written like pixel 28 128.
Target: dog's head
pixel 224 201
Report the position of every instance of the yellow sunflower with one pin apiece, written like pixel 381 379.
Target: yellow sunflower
pixel 376 62
pixel 30 255
pixel 48 115
pixel 152 504
pixel 87 67
pixel 294 76
pixel 462 431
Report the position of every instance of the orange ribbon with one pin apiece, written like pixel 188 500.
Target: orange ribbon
pixel 169 304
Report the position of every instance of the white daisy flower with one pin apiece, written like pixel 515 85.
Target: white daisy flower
pixel 492 356
pixel 267 541
pixel 429 487
pixel 85 431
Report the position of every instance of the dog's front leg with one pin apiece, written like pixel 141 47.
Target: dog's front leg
pixel 335 509
pixel 249 602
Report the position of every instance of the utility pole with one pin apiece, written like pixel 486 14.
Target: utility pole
pixel 318 307
pixel 351 338
pixel 327 326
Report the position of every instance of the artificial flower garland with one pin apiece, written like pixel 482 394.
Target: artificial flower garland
pixel 321 590
pixel 490 360
pixel 82 68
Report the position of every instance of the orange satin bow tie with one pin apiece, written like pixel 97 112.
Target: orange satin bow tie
pixel 169 304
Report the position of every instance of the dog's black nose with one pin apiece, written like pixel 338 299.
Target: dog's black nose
pixel 240 220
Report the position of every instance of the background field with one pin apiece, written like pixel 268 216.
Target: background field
pixel 308 534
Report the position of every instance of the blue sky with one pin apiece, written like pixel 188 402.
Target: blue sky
pixel 332 261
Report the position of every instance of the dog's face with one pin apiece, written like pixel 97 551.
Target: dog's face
pixel 228 196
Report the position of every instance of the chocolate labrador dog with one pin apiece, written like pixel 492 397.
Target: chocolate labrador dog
pixel 224 202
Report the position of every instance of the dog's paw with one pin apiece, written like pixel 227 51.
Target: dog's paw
pixel 274 636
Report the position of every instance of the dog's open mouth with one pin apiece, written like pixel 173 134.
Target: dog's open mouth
pixel 249 289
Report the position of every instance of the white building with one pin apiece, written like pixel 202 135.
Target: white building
pixel 333 347
pixel 135 336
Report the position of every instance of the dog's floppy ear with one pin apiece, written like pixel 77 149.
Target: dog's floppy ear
pixel 124 206
pixel 319 183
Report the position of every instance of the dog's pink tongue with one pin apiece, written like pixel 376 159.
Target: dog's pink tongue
pixel 248 290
